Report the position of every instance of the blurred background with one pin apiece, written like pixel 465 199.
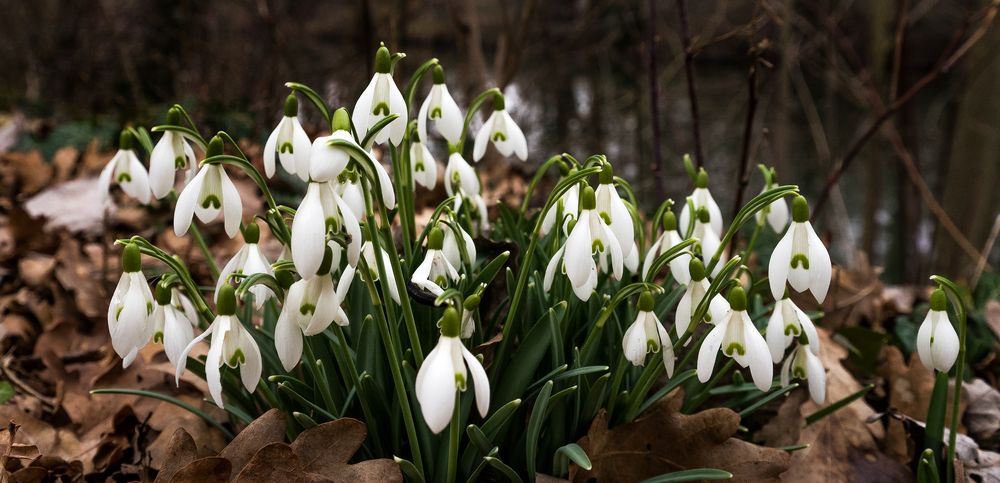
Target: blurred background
pixel 884 112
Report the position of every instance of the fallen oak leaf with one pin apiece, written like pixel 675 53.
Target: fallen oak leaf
pixel 181 450
pixel 326 448
pixel 268 428
pixel 277 462
pixel 213 469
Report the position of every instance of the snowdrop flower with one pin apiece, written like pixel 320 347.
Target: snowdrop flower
pixel 737 337
pixel 616 215
pixel 435 271
pixel 667 240
pixel 565 209
pixel 589 236
pixel 171 326
pixel 702 198
pixel 695 292
pixel 502 131
pixel 289 141
pixel 181 302
pixel 131 304
pixel 209 193
pixel 231 345
pixel 803 363
pixel 442 109
pixel 368 252
pixel 248 261
pixel 786 323
pixel 776 214
pixel 443 373
pixel 327 162
pixel 423 168
pixel 320 211
pixel 708 238
pixel 451 249
pixel 800 257
pixel 348 187
pixel 470 305
pixel 172 152
pixel 477 209
pixel 646 335
pixel 380 99
pixel 937 342
pixel 312 304
pixel 125 169
pixel 385 184
pixel 460 177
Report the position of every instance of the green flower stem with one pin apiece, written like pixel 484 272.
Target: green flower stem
pixel 753 239
pixel 616 383
pixel 593 336
pixel 649 375
pixel 178 268
pixel 249 169
pixel 746 213
pixel 314 98
pixel 473 107
pixel 404 195
pixel 957 302
pixel 209 259
pixel 523 270
pixel 539 174
pixel 411 86
pixel 319 374
pixel 703 391
pixel 453 437
pixel 172 400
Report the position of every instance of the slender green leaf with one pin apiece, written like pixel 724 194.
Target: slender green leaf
pixel 824 412
pixel 409 470
pixel 691 475
pixel 507 471
pixel 576 454
pixel 6 392
pixel 535 425
pixel 766 399
pixel 172 400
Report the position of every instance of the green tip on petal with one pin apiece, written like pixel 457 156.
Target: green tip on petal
pixel 438 74
pixel 341 120
pixel 215 147
pixel 131 261
pixel 450 324
pixel 701 181
pixel 697 269
pixel 163 294
pixel 738 299
pixel 646 301
pixel 939 301
pixel 174 116
pixel 498 102
pixel 125 139
pixel 327 263
pixel 669 220
pixel 471 302
pixel 607 174
pixel 226 302
pixel 703 215
pixel 251 234
pixel 588 199
pixel 383 60
pixel 291 105
pixel 800 209
pixel 435 240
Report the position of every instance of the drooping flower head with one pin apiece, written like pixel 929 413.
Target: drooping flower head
pixel 937 342
pixel 171 326
pixel 697 289
pixel 647 335
pixel 590 238
pixel 423 168
pixel 708 239
pixel 565 210
pixel 368 253
pixel 667 240
pixel 436 272
pixel 787 322
pixel 736 336
pixel 209 194
pixel 803 363
pixel 800 258
pixel 380 99
pixel 613 211
pixel 171 153
pixel 470 304
pixel 443 374
pixel 502 131
pixel 289 141
pixel 442 109
pixel 126 170
pixel 776 214
pixel 327 162
pixel 249 260
pixel 129 311
pixel 701 197
pixel 320 213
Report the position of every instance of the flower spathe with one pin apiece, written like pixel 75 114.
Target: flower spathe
pixel 171 153
pixel 803 363
pixel 127 171
pixel 800 258
pixel 231 345
pixel 441 108
pixel 380 99
pixel 444 373
pixel 129 312
pixel 787 322
pixel 503 132
pixel 937 341
pixel 647 335
pixel 247 261
pixel 736 336
pixel 435 272
pixel 320 211
pixel 290 142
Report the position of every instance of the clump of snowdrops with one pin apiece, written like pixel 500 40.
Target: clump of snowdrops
pixel 368 314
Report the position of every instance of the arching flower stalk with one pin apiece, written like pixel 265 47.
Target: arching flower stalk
pixel 443 374
pixel 209 194
pixel 736 336
pixel 290 142
pixel 171 153
pixel 125 170
pixel 647 335
pixel 502 131
pixel 937 341
pixel 380 99
pixel 800 258
pixel 129 312
pixel 441 108
pixel 667 240
pixel 248 261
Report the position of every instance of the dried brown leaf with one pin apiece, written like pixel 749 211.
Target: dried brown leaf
pixel 180 451
pixel 213 469
pixel 268 428
pixel 327 447
pixel 277 462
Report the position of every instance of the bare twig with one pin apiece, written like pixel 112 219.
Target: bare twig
pixel 987 248
pixel 949 60
pixel 744 173
pixel 689 73
pixel 654 103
